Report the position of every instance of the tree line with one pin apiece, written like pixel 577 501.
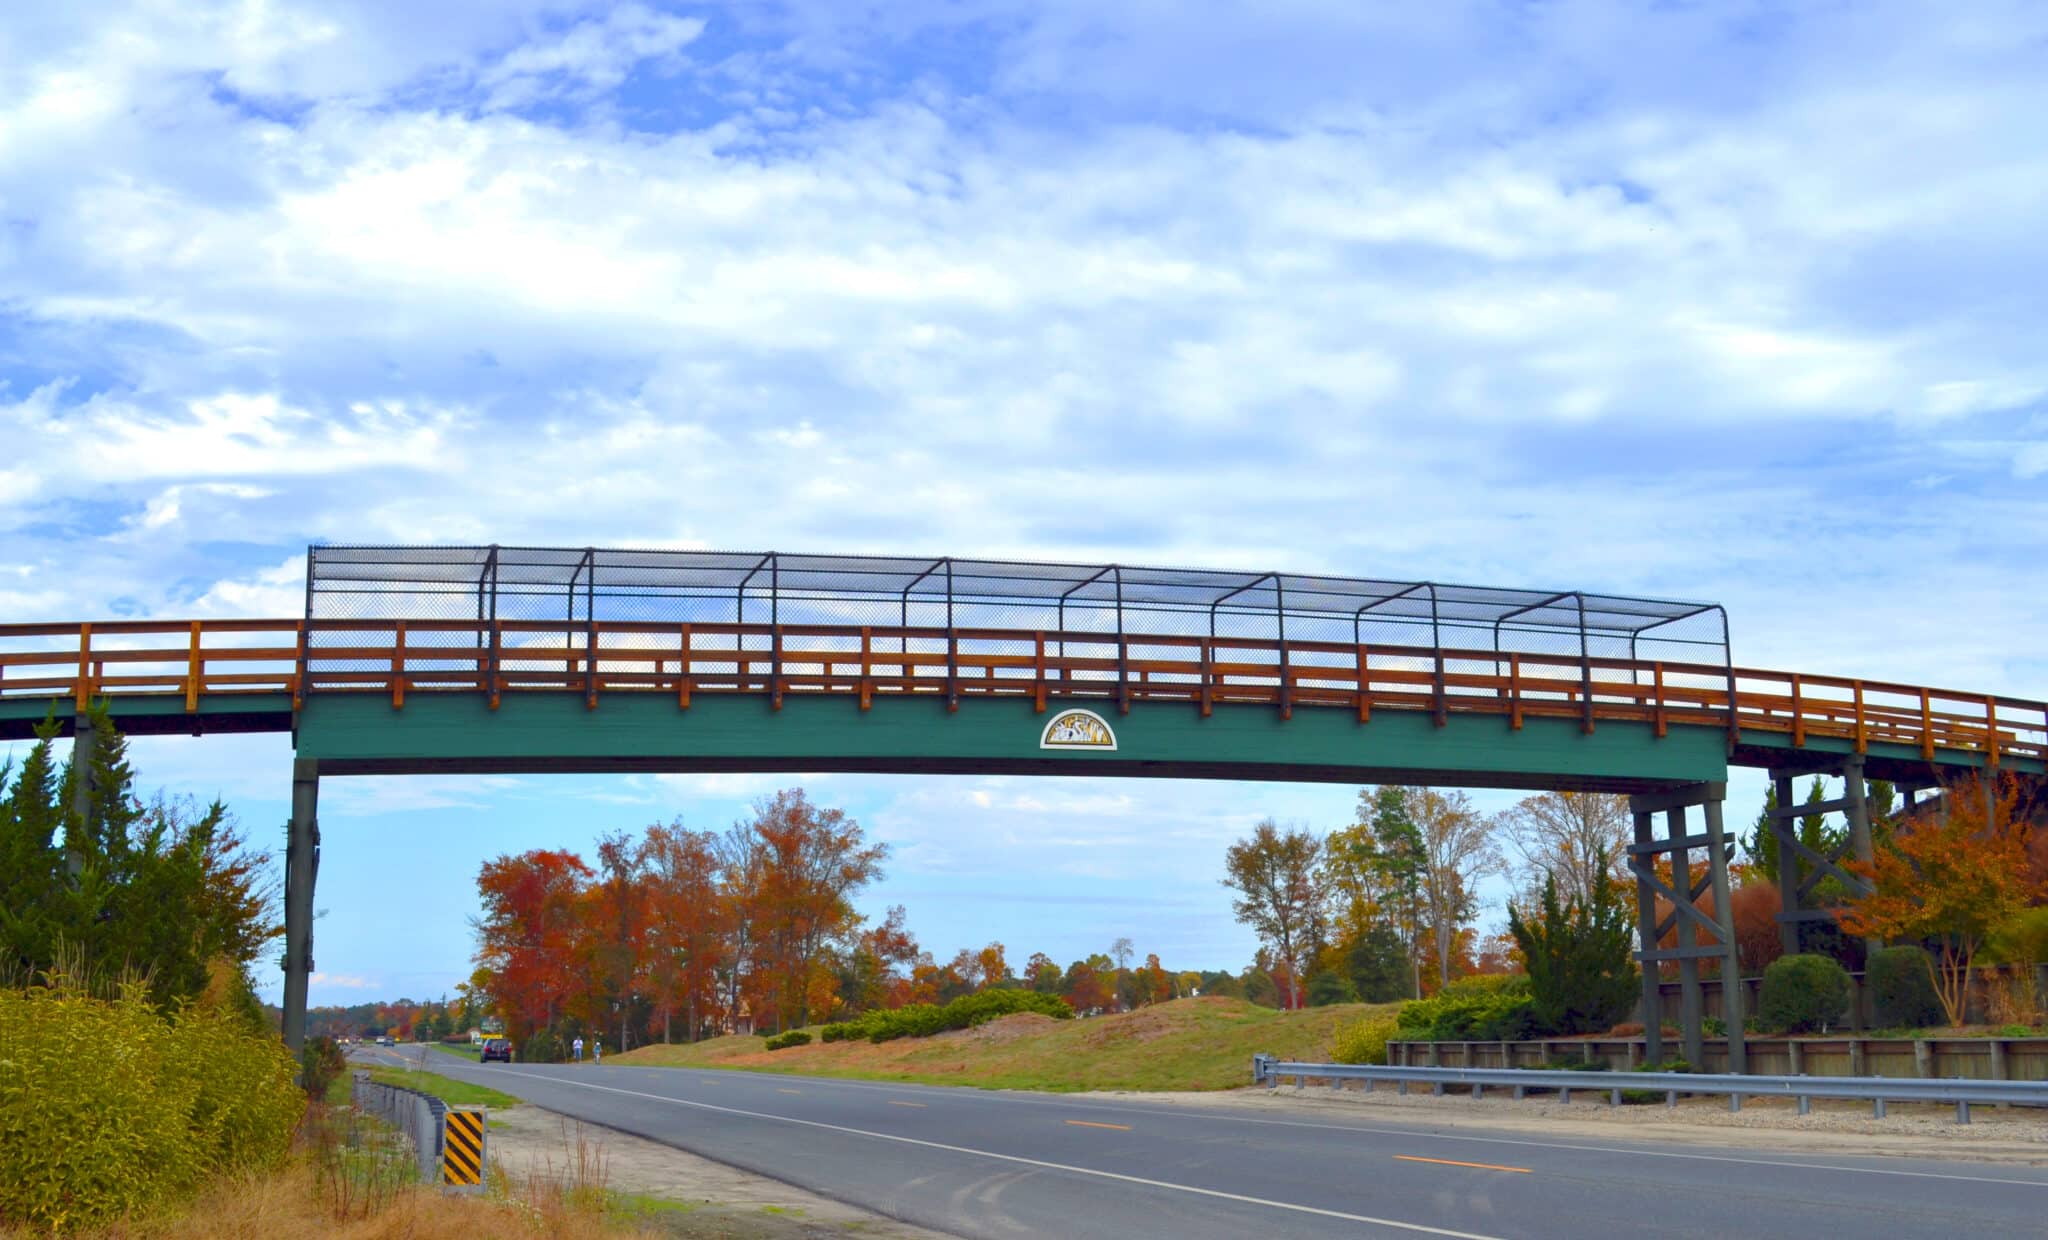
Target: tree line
pixel 680 933
pixel 1384 907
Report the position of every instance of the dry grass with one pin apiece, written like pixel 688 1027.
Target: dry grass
pixel 354 1179
pixel 1187 1044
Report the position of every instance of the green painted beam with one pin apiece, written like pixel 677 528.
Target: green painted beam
pixel 534 732
pixel 156 714
pixel 1883 759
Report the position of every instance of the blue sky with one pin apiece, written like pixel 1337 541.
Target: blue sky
pixel 1732 301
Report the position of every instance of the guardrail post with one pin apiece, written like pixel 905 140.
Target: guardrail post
pixel 1962 1110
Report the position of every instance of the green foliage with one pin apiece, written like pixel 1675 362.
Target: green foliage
pixel 116 885
pixel 1325 989
pixel 922 1020
pixel 1483 1009
pixel 1364 1040
pixel 541 1046
pixel 1643 1097
pixel 110 1107
pixel 1812 831
pixel 1582 976
pixel 2022 939
pixel 1803 994
pixel 783 1041
pixel 320 1062
pixel 1901 983
pixel 1379 965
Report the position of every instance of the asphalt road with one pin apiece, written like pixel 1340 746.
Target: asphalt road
pixel 1002 1165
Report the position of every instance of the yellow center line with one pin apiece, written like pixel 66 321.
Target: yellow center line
pixel 1089 1123
pixel 1452 1162
pixel 895 1102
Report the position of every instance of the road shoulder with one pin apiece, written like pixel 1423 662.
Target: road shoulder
pixel 529 1141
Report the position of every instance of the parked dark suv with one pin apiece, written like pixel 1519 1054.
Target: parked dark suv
pixel 497 1048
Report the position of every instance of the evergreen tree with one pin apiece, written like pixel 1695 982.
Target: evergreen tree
pixel 1582 976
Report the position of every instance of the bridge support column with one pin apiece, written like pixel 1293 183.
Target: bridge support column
pixel 84 789
pixel 1681 893
pixel 301 869
pixel 1800 867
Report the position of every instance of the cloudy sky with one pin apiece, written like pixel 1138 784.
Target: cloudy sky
pixel 1730 301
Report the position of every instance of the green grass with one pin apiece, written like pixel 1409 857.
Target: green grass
pixel 465 1050
pixel 447 1089
pixel 1189 1044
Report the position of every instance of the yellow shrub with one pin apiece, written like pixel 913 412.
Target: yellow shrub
pixel 109 1108
pixel 1364 1040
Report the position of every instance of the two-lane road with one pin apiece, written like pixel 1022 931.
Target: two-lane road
pixel 1004 1165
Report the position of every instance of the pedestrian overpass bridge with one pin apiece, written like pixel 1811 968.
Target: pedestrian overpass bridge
pixel 503 659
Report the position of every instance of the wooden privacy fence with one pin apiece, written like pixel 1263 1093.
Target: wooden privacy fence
pixel 1862 1015
pixel 197 660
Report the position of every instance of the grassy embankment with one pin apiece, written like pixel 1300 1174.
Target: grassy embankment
pixel 1189 1044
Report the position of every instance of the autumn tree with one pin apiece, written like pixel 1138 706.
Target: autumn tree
pixel 616 930
pixel 813 861
pixel 527 934
pixel 1043 975
pixel 1952 877
pixel 686 923
pixel 1280 894
pixel 1561 836
pixel 1457 849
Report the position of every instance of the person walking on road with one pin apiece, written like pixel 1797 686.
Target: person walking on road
pixel 597 1049
pixel 578 1047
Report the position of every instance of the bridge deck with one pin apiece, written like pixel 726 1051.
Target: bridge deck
pixel 253 675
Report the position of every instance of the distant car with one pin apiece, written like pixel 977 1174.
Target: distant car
pixel 496 1048
pixel 385 1041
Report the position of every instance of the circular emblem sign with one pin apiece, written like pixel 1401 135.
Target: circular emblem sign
pixel 1077 729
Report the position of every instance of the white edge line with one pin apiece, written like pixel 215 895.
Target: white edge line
pixel 1049 1166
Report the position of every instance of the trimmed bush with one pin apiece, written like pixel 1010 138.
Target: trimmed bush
pixel 795 1037
pixel 110 1108
pixel 1364 1040
pixel 1494 1008
pixel 922 1020
pixel 1902 988
pixel 1803 994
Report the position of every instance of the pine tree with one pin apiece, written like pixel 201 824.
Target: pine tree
pixel 1582 977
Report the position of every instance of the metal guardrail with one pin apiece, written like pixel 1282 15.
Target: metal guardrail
pixel 419 1116
pixel 1962 1092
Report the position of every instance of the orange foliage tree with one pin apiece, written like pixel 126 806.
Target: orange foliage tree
pixel 1952 877
pixel 527 933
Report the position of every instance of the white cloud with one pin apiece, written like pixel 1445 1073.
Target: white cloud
pixel 344 981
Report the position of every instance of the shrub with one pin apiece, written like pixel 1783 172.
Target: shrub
pixel 320 1061
pixel 795 1037
pixel 1326 989
pixel 1364 1040
pixel 1803 994
pixel 111 1108
pixel 1582 977
pixel 1902 988
pixel 1486 1009
pixel 541 1046
pixel 922 1020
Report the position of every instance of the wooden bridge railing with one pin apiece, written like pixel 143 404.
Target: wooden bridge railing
pixel 196 660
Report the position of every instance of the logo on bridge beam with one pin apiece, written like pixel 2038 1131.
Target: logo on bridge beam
pixel 1077 729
